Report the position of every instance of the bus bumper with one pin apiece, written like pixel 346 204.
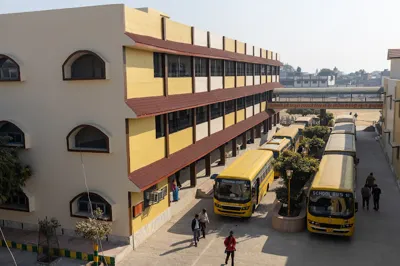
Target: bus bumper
pixel 230 211
pixel 330 231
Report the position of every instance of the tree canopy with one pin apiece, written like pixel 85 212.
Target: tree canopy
pixel 288 68
pixel 321 132
pixel 326 72
pixel 13 173
pixel 303 112
pixel 315 145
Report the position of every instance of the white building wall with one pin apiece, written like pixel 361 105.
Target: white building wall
pixel 256 108
pixel 249 111
pixel 273 78
pixel 201 84
pixel 200 37
pixel 257 51
pixel 249 80
pixel 216 41
pixel 217 124
pixel 216 83
pixel 395 68
pixel 389 119
pixel 257 80
pixel 249 49
pixel 49 108
pixel 201 131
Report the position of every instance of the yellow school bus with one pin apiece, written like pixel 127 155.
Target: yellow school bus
pixel 290 133
pixel 345 128
pixel 277 146
pixel 331 204
pixel 240 187
pixel 300 128
pixel 344 144
pixel 304 120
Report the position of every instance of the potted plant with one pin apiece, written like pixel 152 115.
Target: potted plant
pixel 94 229
pixel 48 241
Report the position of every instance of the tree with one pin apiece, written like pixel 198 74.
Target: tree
pixel 321 132
pixel 94 229
pixel 303 112
pixel 326 72
pixel 287 68
pixel 303 169
pixel 315 145
pixel 298 70
pixel 13 173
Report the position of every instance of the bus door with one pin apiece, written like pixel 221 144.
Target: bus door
pixel 255 191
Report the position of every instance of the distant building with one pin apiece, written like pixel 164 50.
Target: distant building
pixel 308 81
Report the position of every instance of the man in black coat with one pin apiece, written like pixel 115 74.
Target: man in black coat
pixel 196 229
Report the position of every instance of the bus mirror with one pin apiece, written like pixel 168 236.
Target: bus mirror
pixel 356 206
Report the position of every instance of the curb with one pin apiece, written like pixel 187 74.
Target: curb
pixel 62 252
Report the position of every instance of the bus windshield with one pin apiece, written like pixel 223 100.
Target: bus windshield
pixel 229 190
pixel 331 204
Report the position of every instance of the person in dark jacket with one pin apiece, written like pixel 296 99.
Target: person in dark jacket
pixel 376 194
pixel 366 194
pixel 230 247
pixel 370 181
pixel 196 229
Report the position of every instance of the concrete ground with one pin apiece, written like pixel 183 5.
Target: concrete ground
pixel 375 242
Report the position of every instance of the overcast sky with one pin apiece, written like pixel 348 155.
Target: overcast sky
pixel 312 34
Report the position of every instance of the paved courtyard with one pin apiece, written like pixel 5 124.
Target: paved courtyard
pixel 375 242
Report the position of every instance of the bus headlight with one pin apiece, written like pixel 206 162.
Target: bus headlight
pixel 313 223
pixel 245 208
pixel 217 205
pixel 347 226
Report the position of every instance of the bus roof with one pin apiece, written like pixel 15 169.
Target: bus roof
pixel 304 119
pixel 335 172
pixel 247 166
pixel 344 128
pixel 341 142
pixel 298 126
pixel 275 144
pixel 287 132
pixel 344 118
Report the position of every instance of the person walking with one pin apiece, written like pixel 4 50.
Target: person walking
pixel 376 194
pixel 203 218
pixel 366 194
pixel 175 191
pixel 370 181
pixel 196 229
pixel 230 247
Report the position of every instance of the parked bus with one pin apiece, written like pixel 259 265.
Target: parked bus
pixel 344 144
pixel 240 187
pixel 277 146
pixel 345 119
pixel 345 128
pixel 290 133
pixel 300 128
pixel 305 120
pixel 331 204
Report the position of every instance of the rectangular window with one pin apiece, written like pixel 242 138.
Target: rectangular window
pixel 201 67
pixel 257 98
pixel 240 68
pixel 179 66
pixel 158 65
pixel 269 70
pixel 273 70
pixel 216 110
pixel 249 69
pixel 216 67
pixel 278 70
pixel 240 103
pixel 305 81
pixel 230 68
pixel 257 69
pixel 179 120
pixel 147 196
pixel 314 82
pixel 160 126
pixel 249 101
pixel 229 107
pixel 201 115
pixel 263 69
pixel 263 96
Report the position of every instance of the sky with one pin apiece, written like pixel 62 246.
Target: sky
pixel 312 34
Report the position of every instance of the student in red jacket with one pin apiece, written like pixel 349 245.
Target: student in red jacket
pixel 230 247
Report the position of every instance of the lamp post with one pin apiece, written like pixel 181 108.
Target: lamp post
pixel 289 174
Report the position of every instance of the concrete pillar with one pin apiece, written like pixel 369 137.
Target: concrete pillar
pixel 208 164
pixel 270 123
pixel 193 180
pixel 258 131
pixel 234 147
pixel 274 120
pixel 222 155
pixel 244 140
pixel 278 118
pixel 322 114
pixel 252 135
pixel 265 125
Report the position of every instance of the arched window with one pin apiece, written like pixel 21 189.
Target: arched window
pixel 81 206
pixel 84 65
pixel 9 69
pixel 15 135
pixel 88 138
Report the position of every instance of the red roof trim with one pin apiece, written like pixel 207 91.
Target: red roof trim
pixel 152 43
pixel 151 106
pixel 151 174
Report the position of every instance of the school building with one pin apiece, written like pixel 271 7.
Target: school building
pixel 126 98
